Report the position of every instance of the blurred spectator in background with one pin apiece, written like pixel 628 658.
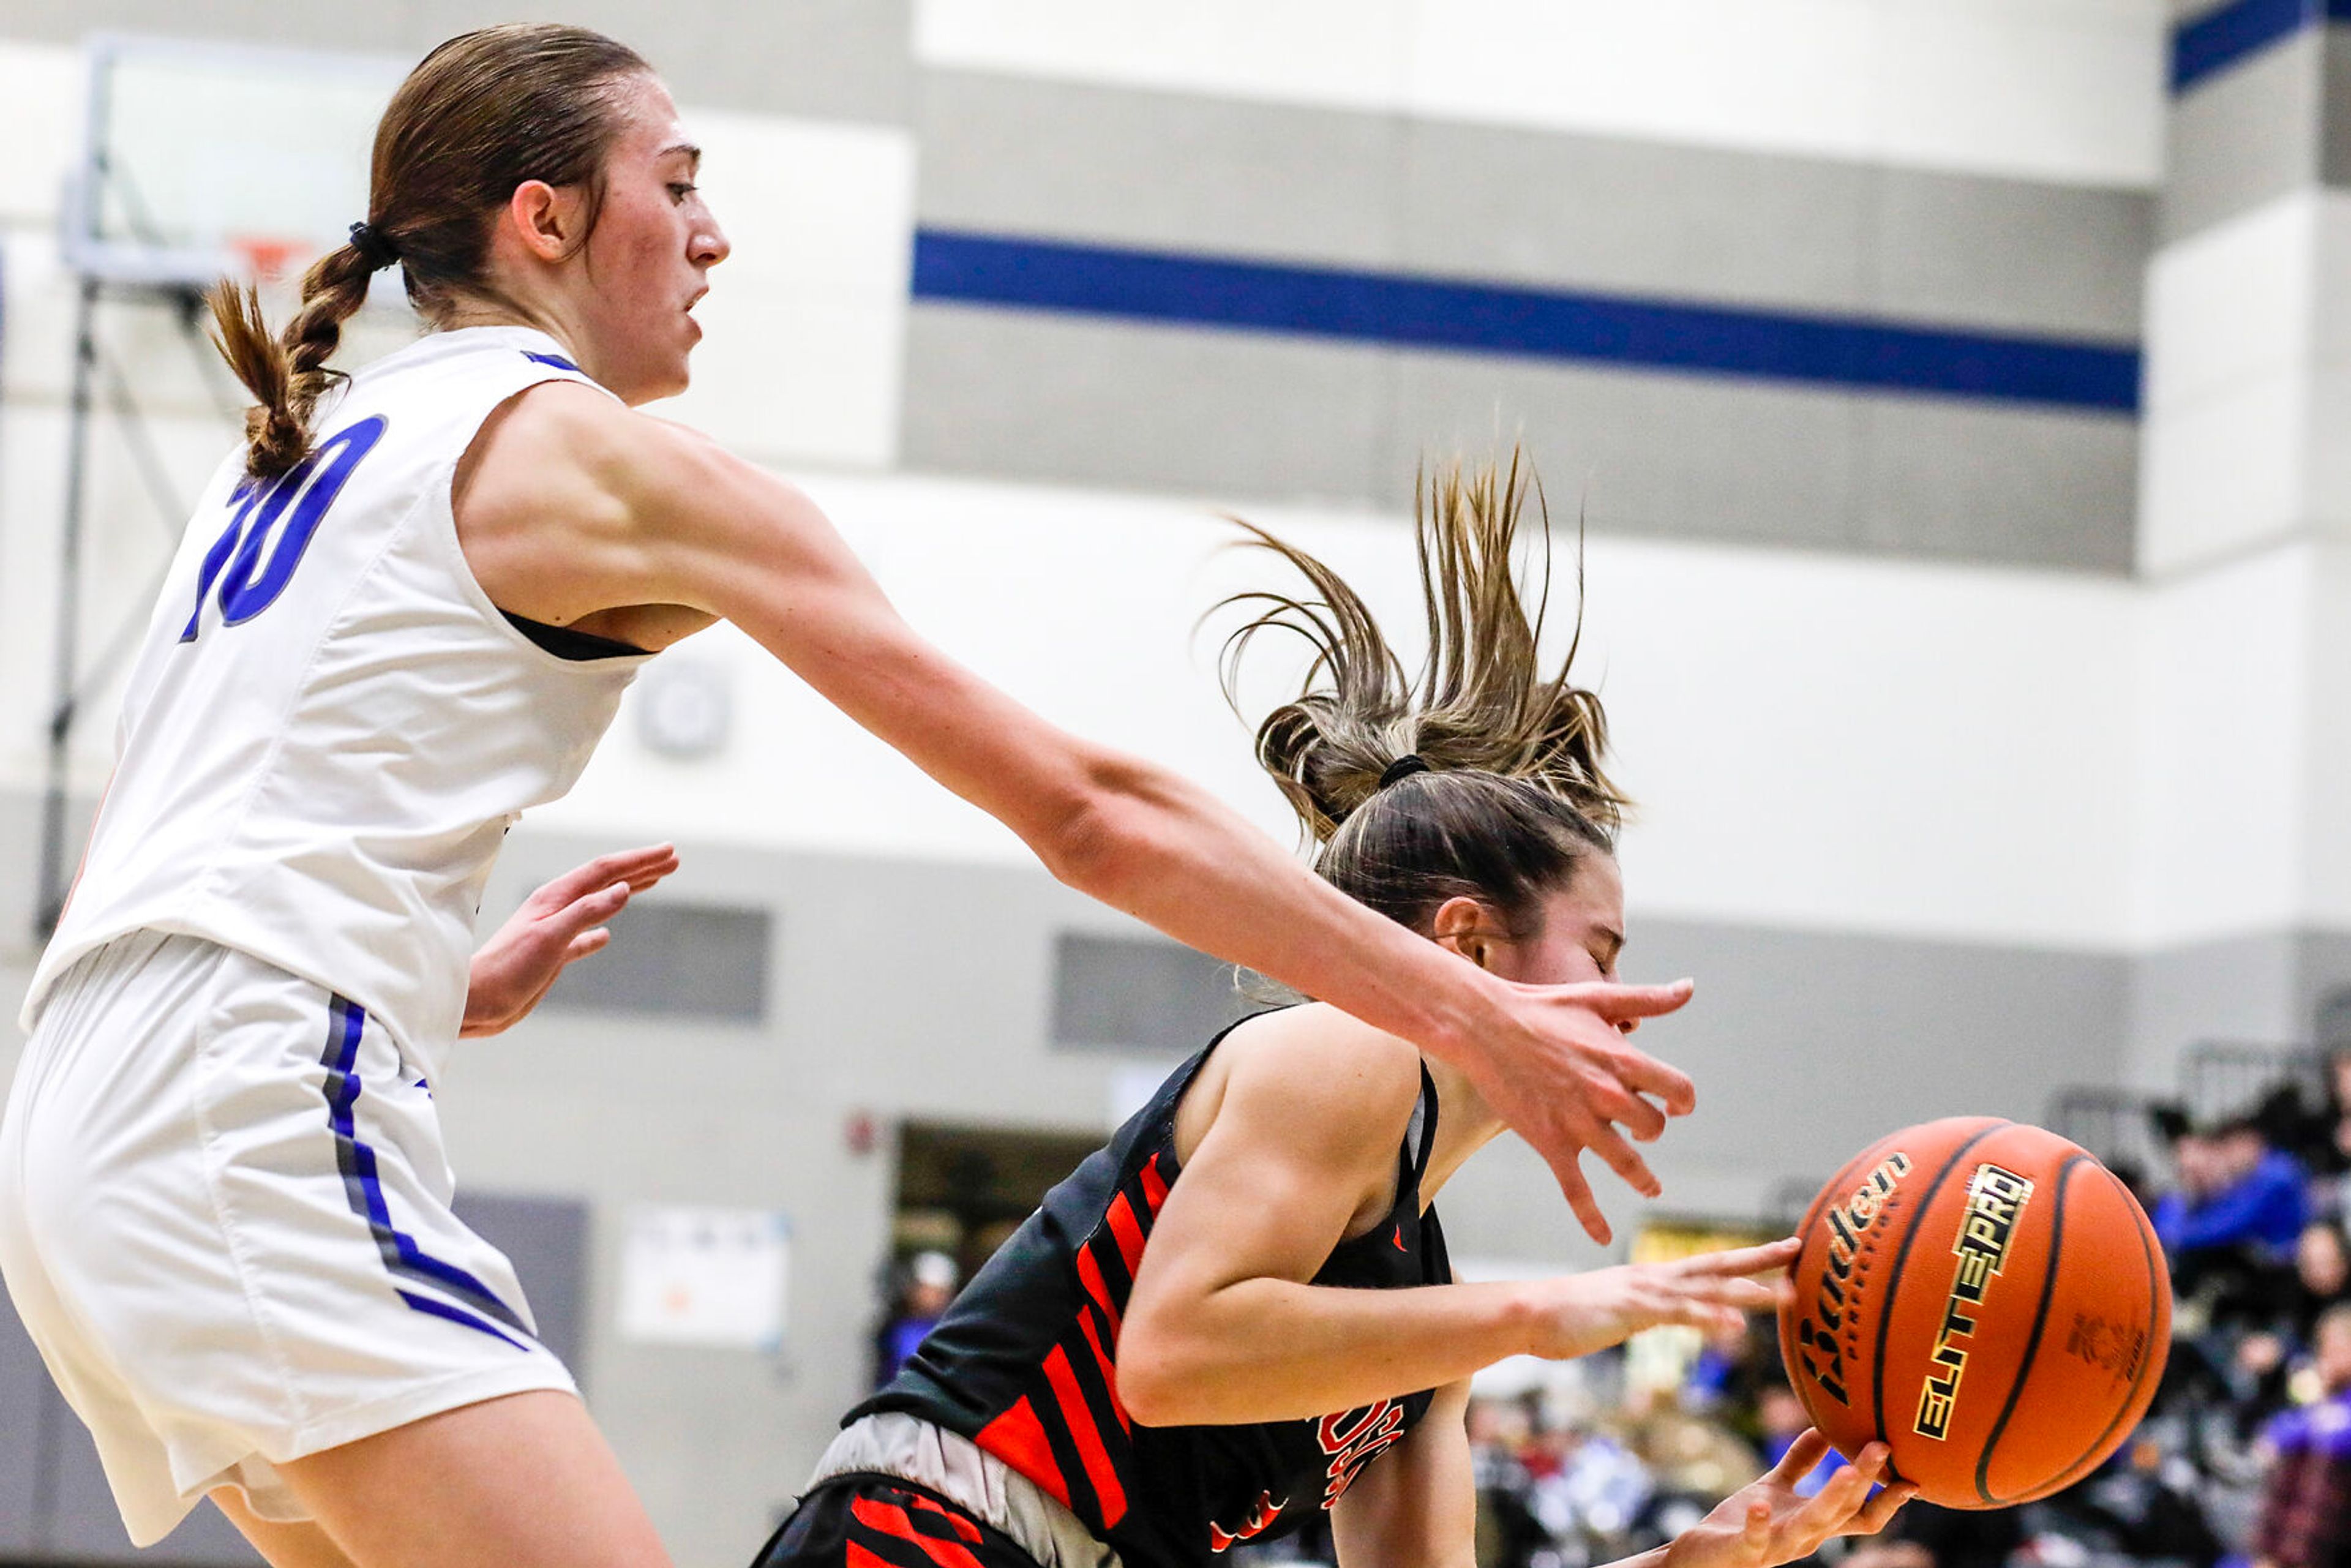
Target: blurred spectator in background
pixel 2305 1509
pixel 2231 1225
pixel 2324 1144
pixel 2266 1353
pixel 1925 1536
pixel 924 1288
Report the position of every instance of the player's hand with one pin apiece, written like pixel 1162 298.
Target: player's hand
pixel 1766 1522
pixel 561 922
pixel 1561 1074
pixel 1584 1313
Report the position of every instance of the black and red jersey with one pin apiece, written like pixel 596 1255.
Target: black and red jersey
pixel 1024 1362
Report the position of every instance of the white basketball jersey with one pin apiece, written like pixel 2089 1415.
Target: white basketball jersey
pixel 330 726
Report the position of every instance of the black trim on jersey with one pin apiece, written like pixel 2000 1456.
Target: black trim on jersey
pixel 570 642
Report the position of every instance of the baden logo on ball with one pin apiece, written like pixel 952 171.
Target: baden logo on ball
pixel 1986 1300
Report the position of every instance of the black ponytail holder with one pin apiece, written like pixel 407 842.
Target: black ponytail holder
pixel 1404 766
pixel 375 248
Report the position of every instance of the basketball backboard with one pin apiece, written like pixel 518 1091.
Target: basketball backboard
pixel 203 159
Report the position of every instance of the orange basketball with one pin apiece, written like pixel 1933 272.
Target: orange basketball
pixel 1986 1299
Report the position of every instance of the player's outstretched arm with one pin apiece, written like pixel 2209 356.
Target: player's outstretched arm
pixel 611 507
pixel 1766 1522
pixel 556 926
pixel 1222 1325
pixel 1414 1506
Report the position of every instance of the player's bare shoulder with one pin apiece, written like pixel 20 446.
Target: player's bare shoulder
pixel 1324 1077
pixel 547 500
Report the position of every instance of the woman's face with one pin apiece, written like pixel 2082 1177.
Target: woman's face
pixel 646 258
pixel 1583 931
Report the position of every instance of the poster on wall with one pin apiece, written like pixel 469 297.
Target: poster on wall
pixel 705 1276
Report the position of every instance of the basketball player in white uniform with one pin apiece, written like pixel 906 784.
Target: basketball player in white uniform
pixel 403 614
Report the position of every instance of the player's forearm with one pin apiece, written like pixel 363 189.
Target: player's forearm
pixel 1168 854
pixel 1273 1350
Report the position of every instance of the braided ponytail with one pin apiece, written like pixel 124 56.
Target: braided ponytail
pixel 287 375
pixel 480 115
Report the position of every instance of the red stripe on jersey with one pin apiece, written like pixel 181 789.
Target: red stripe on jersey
pixel 1080 1422
pixel 1129 1234
pixel 858 1557
pixel 1109 1372
pixel 1018 1439
pixel 891 1520
pixel 1090 1275
pixel 963 1526
pixel 1155 1187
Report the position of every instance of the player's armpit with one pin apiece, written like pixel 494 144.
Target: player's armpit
pixel 1415 1506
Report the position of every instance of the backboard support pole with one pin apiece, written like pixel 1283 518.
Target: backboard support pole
pixel 51 902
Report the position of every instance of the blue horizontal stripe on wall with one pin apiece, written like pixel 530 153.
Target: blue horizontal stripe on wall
pixel 1330 302
pixel 2219 39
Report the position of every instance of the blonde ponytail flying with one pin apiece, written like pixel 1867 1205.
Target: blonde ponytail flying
pixel 1480 776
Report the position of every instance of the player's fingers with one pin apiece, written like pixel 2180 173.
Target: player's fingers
pixel 1580 1201
pixel 591 908
pixel 1801 1456
pixel 620 865
pixel 1740 1295
pixel 1767 1258
pixel 1636 1113
pixel 587 942
pixel 1634 1071
pixel 1618 1003
pixel 1611 1146
pixel 641 874
pixel 1879 1511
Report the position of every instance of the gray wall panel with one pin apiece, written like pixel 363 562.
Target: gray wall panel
pixel 2335 143
pixel 1681 456
pixel 1807 1045
pixel 85 1526
pixel 2264 988
pixel 1165 170
pixel 1635 217
pixel 2008 254
pixel 26 1417
pixel 2243 136
pixel 1113 402
pixel 1977 482
pixel 848 59
pixel 835 59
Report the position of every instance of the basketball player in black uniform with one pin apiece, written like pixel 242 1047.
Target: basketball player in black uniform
pixel 1239 1313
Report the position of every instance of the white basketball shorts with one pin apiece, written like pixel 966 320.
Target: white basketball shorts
pixel 225 1220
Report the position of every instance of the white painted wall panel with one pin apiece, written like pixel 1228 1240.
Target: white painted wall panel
pixel 1816 742
pixel 805 320
pixel 1336 54
pixel 2326 780
pixel 2222 474
pixel 2070 91
pixel 2235 303
pixel 2074 95
pixel 41 87
pixel 2220 759
pixel 2247 436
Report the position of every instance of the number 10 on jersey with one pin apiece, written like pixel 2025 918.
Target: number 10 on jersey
pixel 249 585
